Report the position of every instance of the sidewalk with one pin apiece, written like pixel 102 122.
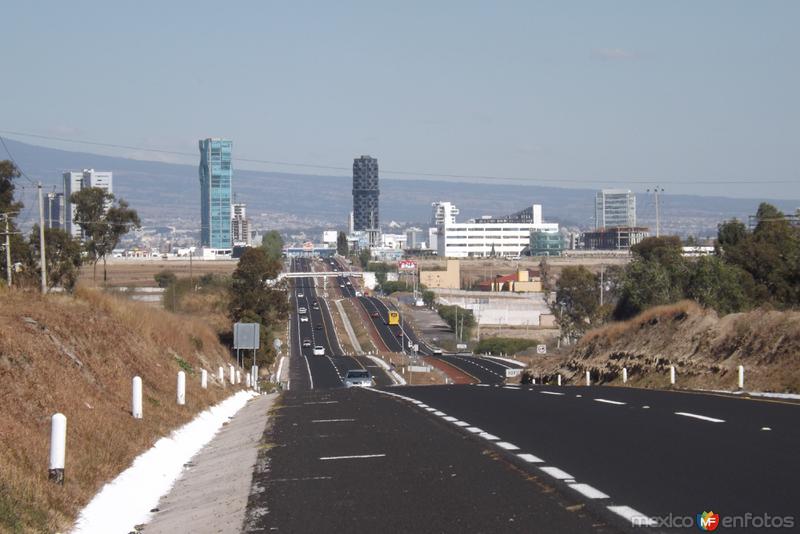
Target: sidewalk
pixel 212 493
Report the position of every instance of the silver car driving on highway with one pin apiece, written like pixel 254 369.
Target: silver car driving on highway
pixel 358 377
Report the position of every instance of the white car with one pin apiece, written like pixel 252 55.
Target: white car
pixel 304 318
pixel 301 311
pixel 358 378
pixel 300 295
pixel 306 342
pixel 319 350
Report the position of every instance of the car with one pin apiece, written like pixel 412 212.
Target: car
pixel 315 306
pixel 400 334
pixel 318 326
pixel 375 315
pixel 341 285
pixel 301 311
pixel 300 295
pixel 359 294
pixel 304 318
pixel 358 378
pixel 306 342
pixel 319 350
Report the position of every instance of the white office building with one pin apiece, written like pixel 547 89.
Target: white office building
pixel 615 208
pixel 74 181
pixel 240 226
pixel 504 236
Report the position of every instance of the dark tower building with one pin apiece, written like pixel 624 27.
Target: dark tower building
pixel 365 194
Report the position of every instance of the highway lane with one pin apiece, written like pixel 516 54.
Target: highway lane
pixel 348 460
pixel 475 367
pixel 658 452
pixel 387 333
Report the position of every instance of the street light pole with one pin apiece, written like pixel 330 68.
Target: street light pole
pixel 41 239
pixel 8 252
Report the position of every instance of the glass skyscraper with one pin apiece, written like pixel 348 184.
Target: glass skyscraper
pixel 365 194
pixel 216 173
pixel 615 208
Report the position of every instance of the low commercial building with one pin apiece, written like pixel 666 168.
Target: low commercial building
pixel 546 243
pixel 450 278
pixel 522 281
pixel 506 236
pixel 616 238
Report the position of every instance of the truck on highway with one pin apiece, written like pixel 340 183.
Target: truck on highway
pixel 394 317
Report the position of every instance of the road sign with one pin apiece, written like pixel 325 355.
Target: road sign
pixel 511 373
pixel 407 265
pixel 246 336
pixel 415 347
pixel 277 344
pixel 541 349
pixel 461 346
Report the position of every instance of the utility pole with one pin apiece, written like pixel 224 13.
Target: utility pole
pixel 41 239
pixel 8 252
pixel 602 269
pixel 657 190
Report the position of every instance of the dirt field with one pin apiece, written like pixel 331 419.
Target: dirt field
pixel 139 273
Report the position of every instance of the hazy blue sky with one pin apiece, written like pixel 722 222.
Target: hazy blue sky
pixel 670 91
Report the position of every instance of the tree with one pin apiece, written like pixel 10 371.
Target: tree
pixel 103 222
pixel 165 278
pixel 272 243
pixel 721 286
pixel 730 234
pixel 577 304
pixel 363 257
pixel 342 247
pixel 460 320
pixel 63 257
pixel 642 285
pixel 252 298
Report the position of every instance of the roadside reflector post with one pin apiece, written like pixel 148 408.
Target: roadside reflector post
pixel 204 379
pixel 741 377
pixel 232 374
pixel 247 380
pixel 672 375
pixel 221 375
pixel 558 378
pixel 238 376
pixel 58 446
pixel 588 378
pixel 136 398
pixel 181 388
pixel 624 375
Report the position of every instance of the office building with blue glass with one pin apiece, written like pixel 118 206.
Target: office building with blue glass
pixel 216 173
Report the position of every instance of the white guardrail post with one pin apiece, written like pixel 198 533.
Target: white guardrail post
pixel 204 379
pixel 231 373
pixel 672 375
pixel 58 446
pixel 136 397
pixel 221 376
pixel 741 377
pixel 181 388
pixel 624 375
pixel 558 378
pixel 588 378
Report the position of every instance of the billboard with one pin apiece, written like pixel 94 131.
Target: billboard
pixel 246 335
pixel 407 265
pixel 329 237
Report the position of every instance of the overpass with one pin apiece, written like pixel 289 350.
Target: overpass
pixel 324 274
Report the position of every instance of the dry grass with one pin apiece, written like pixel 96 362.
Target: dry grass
pixel 705 349
pixel 140 273
pixel 77 356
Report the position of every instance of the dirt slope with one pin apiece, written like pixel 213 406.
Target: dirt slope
pixel 77 356
pixel 705 349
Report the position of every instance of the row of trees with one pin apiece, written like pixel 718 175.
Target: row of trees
pixel 749 268
pixel 102 218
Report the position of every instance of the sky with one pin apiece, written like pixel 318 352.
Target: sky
pixel 690 95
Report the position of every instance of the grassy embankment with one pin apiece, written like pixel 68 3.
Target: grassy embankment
pixel 77 355
pixel 705 349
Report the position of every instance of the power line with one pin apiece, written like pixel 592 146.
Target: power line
pixel 427 174
pixel 11 157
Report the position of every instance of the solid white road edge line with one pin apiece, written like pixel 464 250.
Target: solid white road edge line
pixel 352 457
pixel 610 401
pixel 637 519
pixel 550 393
pixel 701 417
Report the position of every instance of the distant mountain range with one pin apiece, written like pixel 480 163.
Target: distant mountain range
pixel 164 193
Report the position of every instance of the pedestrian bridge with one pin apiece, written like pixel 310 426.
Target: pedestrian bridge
pixel 323 274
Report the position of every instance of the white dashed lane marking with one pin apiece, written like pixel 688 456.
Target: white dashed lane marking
pixel 530 458
pixel 332 420
pixel 637 519
pixel 701 417
pixel 555 472
pixel 507 446
pixel 550 393
pixel 610 401
pixel 588 491
pixel 487 436
pixel 352 457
